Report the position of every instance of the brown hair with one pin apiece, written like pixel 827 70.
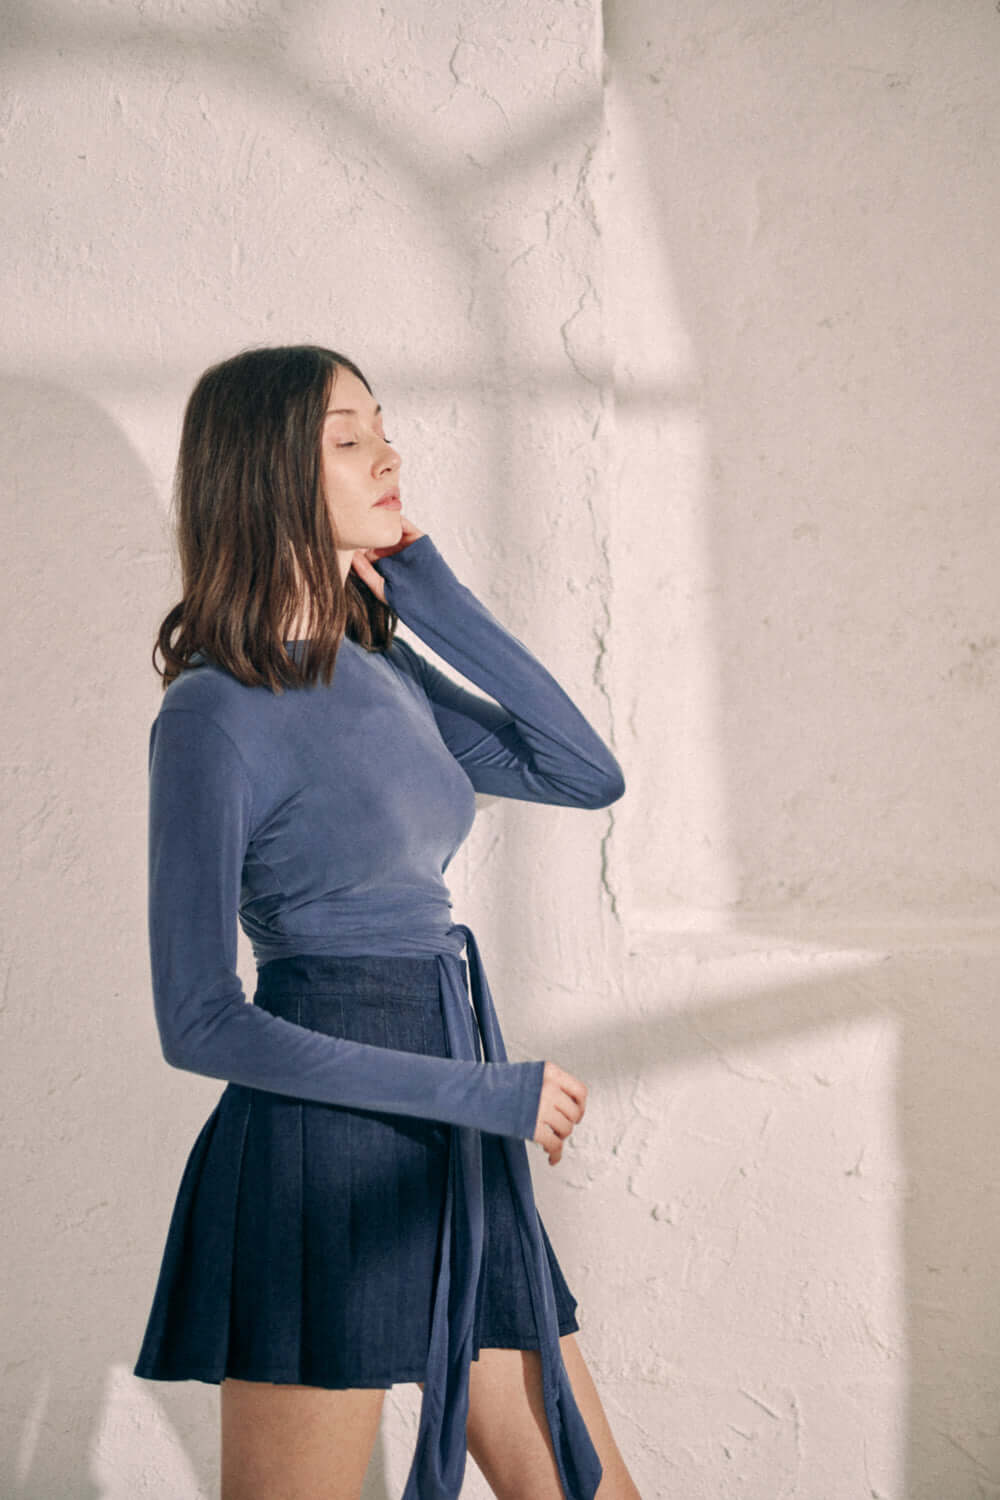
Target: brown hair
pixel 249 501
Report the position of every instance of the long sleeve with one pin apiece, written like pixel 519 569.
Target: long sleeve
pixel 536 745
pixel 200 824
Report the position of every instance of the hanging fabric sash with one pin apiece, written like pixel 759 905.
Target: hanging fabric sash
pixel 439 1458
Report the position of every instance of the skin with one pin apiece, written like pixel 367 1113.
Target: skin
pixel 359 466
pixel 294 1442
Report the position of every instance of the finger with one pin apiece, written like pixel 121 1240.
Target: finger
pixel 364 570
pixel 565 1115
pixel 410 530
pixel 570 1108
pixel 579 1092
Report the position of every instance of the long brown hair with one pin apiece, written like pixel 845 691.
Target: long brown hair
pixel 249 506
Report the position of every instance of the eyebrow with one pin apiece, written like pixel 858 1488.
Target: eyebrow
pixel 347 411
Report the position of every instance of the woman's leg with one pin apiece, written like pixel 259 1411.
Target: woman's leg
pixel 295 1442
pixel 508 1434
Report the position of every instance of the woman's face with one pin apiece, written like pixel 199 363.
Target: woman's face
pixel 359 469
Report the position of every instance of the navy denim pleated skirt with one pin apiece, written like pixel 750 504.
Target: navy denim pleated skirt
pixel 304 1240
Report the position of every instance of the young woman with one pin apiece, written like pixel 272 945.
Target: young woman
pixel 357 1209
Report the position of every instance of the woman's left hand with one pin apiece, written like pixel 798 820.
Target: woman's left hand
pixel 362 560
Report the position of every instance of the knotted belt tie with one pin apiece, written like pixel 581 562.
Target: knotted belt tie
pixel 439 1458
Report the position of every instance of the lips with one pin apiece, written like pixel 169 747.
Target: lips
pixel 390 498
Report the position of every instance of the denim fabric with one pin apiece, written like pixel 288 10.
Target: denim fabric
pixel 305 1237
pixel 325 818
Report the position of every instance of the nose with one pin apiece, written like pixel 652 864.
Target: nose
pixel 389 461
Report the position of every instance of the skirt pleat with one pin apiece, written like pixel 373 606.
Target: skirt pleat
pixel 187 1334
pixel 305 1238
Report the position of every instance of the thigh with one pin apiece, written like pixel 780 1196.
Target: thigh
pixel 508 1433
pixel 295 1442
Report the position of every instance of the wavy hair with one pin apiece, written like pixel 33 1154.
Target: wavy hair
pixel 250 509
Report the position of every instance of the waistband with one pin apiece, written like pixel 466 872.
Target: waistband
pixel 360 977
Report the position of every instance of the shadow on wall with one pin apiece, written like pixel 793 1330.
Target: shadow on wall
pixel 84 567
pixel 852 721
pixel 847 531
pixel 821 1156
pixel 88 559
pixel 833 297
pixel 83 552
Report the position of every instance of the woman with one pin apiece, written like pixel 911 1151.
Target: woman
pixel 357 1209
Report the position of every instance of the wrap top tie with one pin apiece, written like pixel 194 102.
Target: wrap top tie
pixel 438 1464
pixel 325 817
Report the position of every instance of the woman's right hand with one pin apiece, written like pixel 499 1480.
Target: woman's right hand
pixel 560 1107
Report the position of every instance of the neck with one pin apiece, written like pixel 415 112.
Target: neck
pixel 300 625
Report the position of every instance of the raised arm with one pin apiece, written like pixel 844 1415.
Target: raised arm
pixel 200 824
pixel 533 742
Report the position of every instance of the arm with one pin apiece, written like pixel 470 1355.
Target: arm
pixel 538 746
pixel 200 821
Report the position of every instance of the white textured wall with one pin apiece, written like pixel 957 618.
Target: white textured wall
pixel 800 229
pixel 410 184
pixel 704 329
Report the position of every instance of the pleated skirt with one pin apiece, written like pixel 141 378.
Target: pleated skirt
pixel 305 1239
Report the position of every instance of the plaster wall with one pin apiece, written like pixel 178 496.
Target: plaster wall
pixel 799 233
pixel 684 325
pixel 409 184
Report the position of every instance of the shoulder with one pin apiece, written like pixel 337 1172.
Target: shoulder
pixel 204 688
pixel 210 690
pixel 205 706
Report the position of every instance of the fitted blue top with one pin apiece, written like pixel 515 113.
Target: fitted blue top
pixel 324 818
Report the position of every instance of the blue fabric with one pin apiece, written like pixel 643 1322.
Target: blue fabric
pixel 304 1240
pixel 326 817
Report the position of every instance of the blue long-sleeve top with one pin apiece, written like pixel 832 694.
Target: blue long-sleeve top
pixel 324 818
